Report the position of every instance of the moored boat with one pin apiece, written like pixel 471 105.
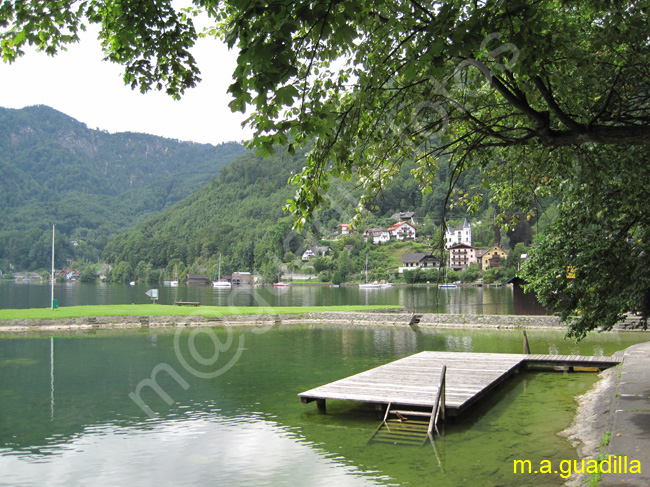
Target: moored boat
pixel 219 283
pixel 369 285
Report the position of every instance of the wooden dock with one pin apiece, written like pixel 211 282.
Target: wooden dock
pixel 413 381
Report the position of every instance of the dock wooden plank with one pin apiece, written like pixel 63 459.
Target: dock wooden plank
pixel 413 380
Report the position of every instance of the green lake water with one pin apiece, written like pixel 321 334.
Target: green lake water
pixel 421 299
pixel 66 417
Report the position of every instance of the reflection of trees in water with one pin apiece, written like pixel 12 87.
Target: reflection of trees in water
pixel 462 300
pixel 460 344
pixel 420 299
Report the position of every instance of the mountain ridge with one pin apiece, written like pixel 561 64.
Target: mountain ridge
pixel 89 182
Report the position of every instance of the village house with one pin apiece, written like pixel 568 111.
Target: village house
pixel 27 276
pixel 419 260
pixel 402 231
pixel 60 273
pixel 73 276
pixel 462 255
pixel 68 274
pixel 404 216
pixel 314 252
pixel 495 256
pixel 523 258
pixel 458 235
pixel 378 235
pixel 344 229
pixel 308 254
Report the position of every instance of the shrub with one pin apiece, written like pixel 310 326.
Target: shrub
pixel 337 278
pixel 325 276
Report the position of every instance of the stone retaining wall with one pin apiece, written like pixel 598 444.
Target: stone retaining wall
pixel 512 321
pixel 385 317
pixel 441 320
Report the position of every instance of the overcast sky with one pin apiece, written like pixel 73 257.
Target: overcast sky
pixel 81 85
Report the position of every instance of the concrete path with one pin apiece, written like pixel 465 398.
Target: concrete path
pixel 631 425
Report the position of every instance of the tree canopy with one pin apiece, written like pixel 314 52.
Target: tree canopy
pixel 545 97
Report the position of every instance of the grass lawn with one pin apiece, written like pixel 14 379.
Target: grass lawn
pixel 166 310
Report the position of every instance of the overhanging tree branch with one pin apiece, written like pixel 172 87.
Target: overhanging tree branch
pixel 550 101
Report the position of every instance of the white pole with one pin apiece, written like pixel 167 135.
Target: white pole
pixel 52 276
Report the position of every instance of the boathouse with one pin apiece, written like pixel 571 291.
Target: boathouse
pixel 525 303
pixel 197 280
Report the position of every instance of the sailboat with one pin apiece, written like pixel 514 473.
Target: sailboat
pixel 219 283
pixel 445 285
pixel 367 285
pixel 174 283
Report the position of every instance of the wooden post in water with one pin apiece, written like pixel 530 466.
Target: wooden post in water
pixel 526 345
pixel 439 404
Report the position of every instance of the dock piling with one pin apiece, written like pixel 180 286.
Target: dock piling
pixel 526 345
pixel 320 405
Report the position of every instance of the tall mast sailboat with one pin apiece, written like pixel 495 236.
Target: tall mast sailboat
pixel 219 283
pixel 367 285
pixel 174 283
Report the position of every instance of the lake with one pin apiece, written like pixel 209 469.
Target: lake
pixel 422 299
pixel 226 412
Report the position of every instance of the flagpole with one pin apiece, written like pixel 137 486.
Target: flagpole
pixel 52 276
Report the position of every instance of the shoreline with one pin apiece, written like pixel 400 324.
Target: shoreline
pixel 612 423
pixel 593 418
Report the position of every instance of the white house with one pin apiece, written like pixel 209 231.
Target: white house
pixel 459 235
pixel 314 252
pixel 405 216
pixel 418 261
pixel 72 275
pixel 307 254
pixel 378 235
pixel 402 231
pixel 462 255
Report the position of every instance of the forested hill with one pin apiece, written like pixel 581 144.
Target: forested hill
pixel 90 183
pixel 239 213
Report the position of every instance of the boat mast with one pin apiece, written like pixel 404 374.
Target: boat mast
pixel 366 268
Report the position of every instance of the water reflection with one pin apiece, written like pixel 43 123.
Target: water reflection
pixel 460 344
pixel 422 299
pixel 198 449
pixel 247 426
